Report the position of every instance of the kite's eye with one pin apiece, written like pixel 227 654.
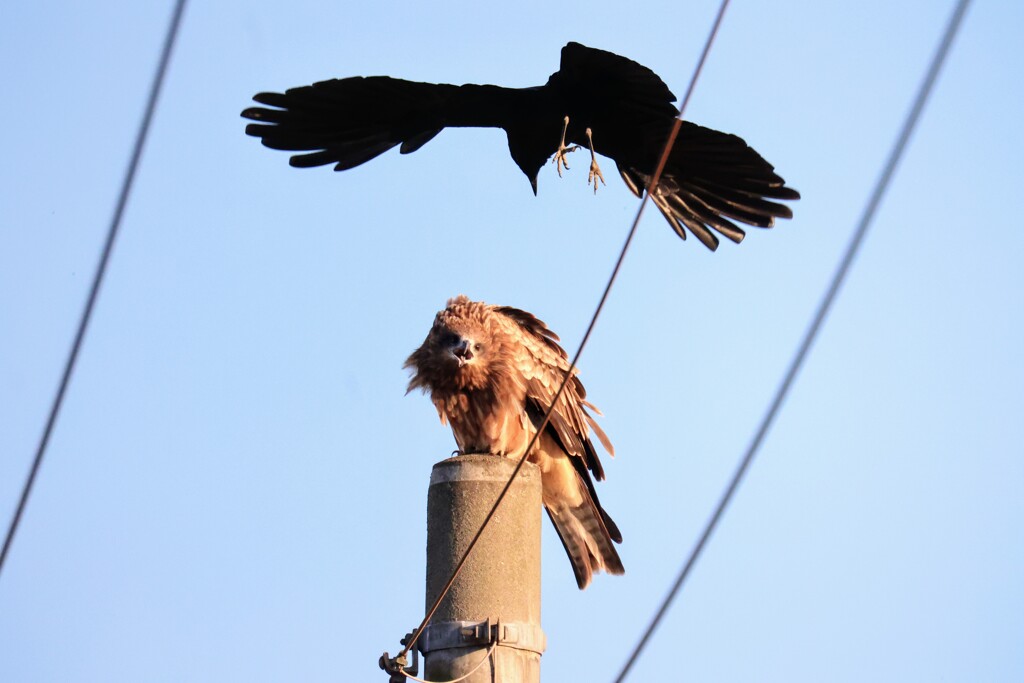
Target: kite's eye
pixel 478 347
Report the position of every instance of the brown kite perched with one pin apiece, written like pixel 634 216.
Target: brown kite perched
pixel 596 100
pixel 492 372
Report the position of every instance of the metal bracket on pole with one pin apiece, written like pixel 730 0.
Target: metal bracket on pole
pixel 452 634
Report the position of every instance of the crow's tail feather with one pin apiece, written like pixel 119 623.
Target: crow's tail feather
pixel 710 180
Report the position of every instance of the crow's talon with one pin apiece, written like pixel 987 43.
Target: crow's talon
pixel 595 175
pixel 560 161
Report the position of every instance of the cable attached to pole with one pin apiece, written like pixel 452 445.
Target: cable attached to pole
pixel 652 187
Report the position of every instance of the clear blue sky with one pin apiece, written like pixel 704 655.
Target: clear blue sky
pixel 236 487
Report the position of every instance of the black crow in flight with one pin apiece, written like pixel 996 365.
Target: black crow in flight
pixel 596 99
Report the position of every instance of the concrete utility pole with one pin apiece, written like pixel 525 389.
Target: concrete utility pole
pixel 495 600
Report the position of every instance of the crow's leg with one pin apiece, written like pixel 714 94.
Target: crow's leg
pixel 562 150
pixel 595 170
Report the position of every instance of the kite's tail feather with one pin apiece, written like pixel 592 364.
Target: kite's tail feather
pixel 586 538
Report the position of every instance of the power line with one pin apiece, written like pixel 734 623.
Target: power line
pixel 652 187
pixel 83 323
pixel 812 331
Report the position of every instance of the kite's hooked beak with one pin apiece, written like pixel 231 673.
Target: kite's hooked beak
pixel 463 351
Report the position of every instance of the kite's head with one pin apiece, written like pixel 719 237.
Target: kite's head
pixel 458 352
